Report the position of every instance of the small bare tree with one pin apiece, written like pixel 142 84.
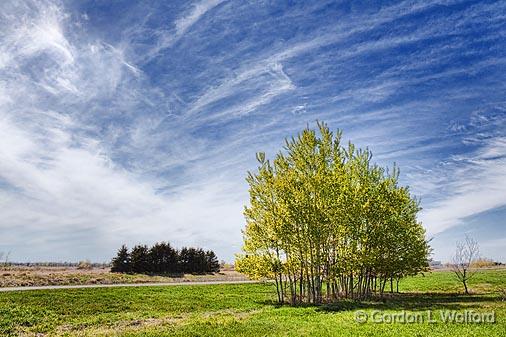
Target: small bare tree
pixel 466 253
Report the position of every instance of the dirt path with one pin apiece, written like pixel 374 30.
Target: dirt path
pixel 188 283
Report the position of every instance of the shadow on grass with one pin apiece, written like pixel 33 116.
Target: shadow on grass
pixel 171 275
pixel 404 301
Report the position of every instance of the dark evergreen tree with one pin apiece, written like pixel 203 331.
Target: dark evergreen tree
pixel 139 259
pixel 162 258
pixel 199 261
pixel 170 258
pixel 192 260
pixel 121 263
pixel 156 258
pixel 184 260
pixel 213 265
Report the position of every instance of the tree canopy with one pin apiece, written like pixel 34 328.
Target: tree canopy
pixel 161 258
pixel 325 222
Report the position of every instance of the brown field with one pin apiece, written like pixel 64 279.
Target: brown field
pixel 44 276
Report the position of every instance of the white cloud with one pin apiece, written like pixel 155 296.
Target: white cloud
pixel 57 179
pixel 264 82
pixel 478 185
pixel 28 35
pixel 182 25
pixel 185 22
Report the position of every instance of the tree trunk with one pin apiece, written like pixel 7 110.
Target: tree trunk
pixel 277 289
pixel 465 286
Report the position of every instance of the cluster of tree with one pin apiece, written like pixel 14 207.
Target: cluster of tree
pixel 324 222
pixel 161 258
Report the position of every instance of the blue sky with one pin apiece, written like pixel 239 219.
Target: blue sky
pixel 135 122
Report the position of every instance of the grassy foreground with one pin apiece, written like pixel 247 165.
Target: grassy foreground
pixel 248 310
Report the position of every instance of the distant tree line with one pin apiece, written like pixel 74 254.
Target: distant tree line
pixel 162 258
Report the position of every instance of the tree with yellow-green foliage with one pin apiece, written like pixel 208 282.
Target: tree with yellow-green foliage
pixel 324 222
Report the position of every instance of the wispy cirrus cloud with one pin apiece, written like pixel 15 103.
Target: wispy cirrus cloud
pixel 166 38
pixel 477 184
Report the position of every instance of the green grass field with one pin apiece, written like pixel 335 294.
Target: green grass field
pixel 247 310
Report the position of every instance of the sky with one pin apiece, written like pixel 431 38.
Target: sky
pixel 137 121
